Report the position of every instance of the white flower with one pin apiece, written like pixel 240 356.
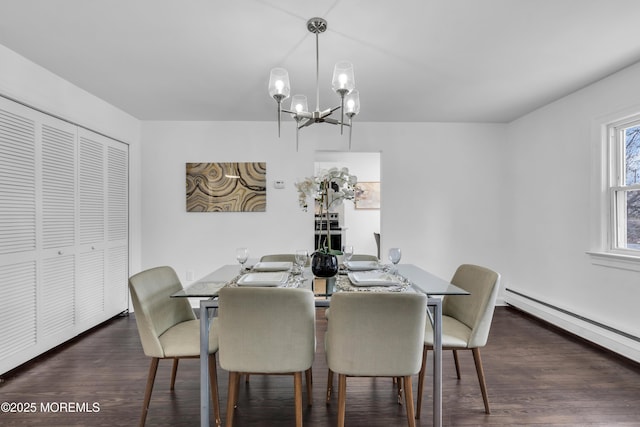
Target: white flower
pixel 328 189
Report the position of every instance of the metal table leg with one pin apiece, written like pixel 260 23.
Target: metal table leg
pixel 436 321
pixel 205 396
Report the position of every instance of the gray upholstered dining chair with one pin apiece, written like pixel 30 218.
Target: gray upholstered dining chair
pixel 168 328
pixel 376 334
pixel 267 331
pixel 466 321
pixel 279 258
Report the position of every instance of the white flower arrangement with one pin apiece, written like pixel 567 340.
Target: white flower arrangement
pixel 328 189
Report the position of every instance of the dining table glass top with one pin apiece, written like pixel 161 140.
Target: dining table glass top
pixel 407 278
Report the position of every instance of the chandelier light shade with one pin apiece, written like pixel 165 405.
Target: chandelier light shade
pixel 279 88
pixel 352 104
pixel 343 81
pixel 343 84
pixel 298 106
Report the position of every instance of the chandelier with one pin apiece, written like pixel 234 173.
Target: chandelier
pixel 343 84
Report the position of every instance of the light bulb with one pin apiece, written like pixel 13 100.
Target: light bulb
pixel 350 104
pixel 343 80
pixel 299 108
pixel 279 84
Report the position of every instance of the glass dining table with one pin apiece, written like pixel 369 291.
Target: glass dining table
pixel 410 278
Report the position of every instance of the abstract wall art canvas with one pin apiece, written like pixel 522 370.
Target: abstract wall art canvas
pixel 227 187
pixel 367 195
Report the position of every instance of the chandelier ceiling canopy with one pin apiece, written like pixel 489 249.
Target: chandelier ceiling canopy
pixel 343 84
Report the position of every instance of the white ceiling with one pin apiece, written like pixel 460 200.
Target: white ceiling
pixel 415 60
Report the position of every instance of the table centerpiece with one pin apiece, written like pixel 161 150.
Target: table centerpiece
pixel 328 189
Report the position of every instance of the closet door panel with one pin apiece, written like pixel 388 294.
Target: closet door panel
pixel 91 260
pixel 18 232
pixel 56 272
pixel 117 269
pixel 57 296
pixel 90 305
pixel 18 332
pixel 58 186
pixel 92 192
pixel 117 225
pixel 17 180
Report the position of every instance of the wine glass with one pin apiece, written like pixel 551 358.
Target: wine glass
pixel 394 256
pixel 242 254
pixel 301 258
pixel 347 250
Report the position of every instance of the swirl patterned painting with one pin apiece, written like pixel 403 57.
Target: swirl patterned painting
pixel 227 187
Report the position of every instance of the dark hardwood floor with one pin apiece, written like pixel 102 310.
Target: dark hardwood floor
pixel 536 376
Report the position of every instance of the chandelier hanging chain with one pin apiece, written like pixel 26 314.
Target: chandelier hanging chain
pixel 343 85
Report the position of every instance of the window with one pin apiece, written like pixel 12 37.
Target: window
pixel 624 186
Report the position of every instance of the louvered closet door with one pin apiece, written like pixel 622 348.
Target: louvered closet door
pixel 103 225
pixel 63 231
pixel 117 225
pixel 56 296
pixel 92 207
pixel 17 231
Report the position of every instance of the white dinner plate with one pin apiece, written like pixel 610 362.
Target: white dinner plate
pixel 263 279
pixel 372 278
pixel 362 265
pixel 273 266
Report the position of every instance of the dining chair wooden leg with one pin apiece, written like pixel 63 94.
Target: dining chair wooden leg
pixel 297 390
pixel 457 362
pixel 231 397
pixel 398 381
pixel 329 385
pixel 147 394
pixel 174 372
pixel 483 386
pixel 213 379
pixel 408 395
pixel 423 368
pixel 342 398
pixel 309 382
pixel 237 393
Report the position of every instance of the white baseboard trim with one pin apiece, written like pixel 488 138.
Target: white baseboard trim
pixel 601 335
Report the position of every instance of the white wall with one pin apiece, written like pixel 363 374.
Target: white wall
pixel 441 184
pixel 552 208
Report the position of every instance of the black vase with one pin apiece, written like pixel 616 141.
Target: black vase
pixel 324 265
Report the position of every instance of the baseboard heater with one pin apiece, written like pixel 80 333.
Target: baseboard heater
pixel 575 316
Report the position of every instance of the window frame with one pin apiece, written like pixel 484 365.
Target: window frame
pixel 617 187
pixel 602 252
